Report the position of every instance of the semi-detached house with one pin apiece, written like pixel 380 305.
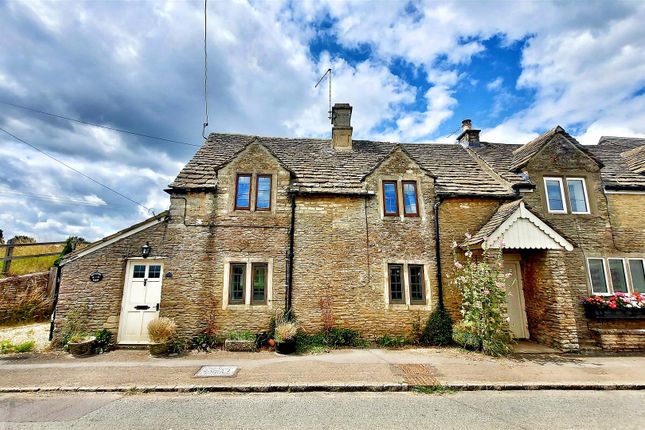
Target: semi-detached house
pixel 361 231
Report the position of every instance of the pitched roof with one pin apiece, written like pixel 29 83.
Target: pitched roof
pixel 317 167
pixel 514 226
pixel 617 173
pixel 635 159
pixel 524 153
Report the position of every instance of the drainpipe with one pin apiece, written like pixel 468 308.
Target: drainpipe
pixel 437 242
pixel 55 302
pixel 289 283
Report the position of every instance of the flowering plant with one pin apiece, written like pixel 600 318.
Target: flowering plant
pixel 616 301
pixel 481 282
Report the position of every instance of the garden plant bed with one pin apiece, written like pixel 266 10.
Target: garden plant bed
pixel 239 345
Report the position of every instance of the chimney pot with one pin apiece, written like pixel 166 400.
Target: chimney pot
pixel 466 124
pixel 341 131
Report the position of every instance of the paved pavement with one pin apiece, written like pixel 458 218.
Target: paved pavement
pixel 362 369
pixel 461 410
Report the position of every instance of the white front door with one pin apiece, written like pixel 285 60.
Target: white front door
pixel 141 297
pixel 515 300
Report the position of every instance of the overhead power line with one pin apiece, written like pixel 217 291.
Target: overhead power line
pixel 93 124
pixel 205 70
pixel 75 170
pixel 51 198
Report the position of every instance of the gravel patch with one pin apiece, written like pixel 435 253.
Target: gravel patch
pixel 39 332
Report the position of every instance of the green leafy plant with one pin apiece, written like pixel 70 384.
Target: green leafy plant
pixel 206 342
pixel 74 324
pixel 162 330
pixel 104 341
pixel 481 282
pixel 465 338
pixel 6 346
pixel 178 345
pixel 241 335
pixel 388 341
pixel 438 328
pixel 337 337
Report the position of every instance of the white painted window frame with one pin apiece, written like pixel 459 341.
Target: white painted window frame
pixel 427 288
pixel 546 195
pixel 608 279
pixel 248 288
pixel 584 190
pixel 629 272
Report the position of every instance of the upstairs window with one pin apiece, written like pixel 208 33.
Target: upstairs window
pixel 555 195
pixel 410 199
pixel 390 198
pixel 578 195
pixel 243 192
pixel 396 283
pixel 263 193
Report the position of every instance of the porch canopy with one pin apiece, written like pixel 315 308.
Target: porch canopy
pixel 513 226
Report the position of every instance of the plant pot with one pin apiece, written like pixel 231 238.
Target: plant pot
pixel 159 349
pixel 598 313
pixel 286 347
pixel 83 348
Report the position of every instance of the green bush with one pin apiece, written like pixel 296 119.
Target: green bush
pixel 465 338
pixel 241 335
pixel 388 341
pixel 206 342
pixel 336 337
pixel 178 345
pixel 104 341
pixel 74 324
pixel 438 329
pixel 6 346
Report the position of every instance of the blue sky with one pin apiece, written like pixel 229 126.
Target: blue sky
pixel 411 69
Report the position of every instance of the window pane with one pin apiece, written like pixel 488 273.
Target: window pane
pixel 243 191
pixel 259 282
pixel 264 192
pixel 154 271
pixel 638 275
pixel 396 283
pixel 617 273
pixel 597 272
pixel 139 271
pixel 237 282
pixel 416 283
pixel 389 193
pixel 410 197
pixel 577 195
pixel 554 194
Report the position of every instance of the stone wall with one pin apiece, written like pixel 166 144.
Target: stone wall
pixel 627 222
pixel 25 297
pixel 621 340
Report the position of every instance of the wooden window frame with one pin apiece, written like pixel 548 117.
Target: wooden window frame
pixel 231 301
pixel 629 267
pixel 254 266
pixel 257 189
pixel 237 185
pixel 422 301
pixel 389 284
pixel 416 197
pixel 584 191
pixel 396 196
pixel 604 269
pixel 562 194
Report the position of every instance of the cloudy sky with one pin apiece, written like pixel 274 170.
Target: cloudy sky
pixel 412 70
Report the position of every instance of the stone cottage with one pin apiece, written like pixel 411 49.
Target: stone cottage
pixel 360 232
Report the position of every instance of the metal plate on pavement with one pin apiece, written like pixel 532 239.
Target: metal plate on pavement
pixel 215 371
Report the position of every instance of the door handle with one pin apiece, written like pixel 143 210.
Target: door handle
pixel 142 307
pixel 157 306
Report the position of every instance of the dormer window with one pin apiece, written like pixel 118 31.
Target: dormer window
pixel 243 192
pixel 263 193
pixel 557 196
pixel 390 198
pixel 410 199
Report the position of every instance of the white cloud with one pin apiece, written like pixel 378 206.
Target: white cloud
pixel 495 84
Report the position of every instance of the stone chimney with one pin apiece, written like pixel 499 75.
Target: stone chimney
pixel 469 136
pixel 341 131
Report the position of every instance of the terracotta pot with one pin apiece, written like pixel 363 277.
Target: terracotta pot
pixel 271 342
pixel 159 349
pixel 83 348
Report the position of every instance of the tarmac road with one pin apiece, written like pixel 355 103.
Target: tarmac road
pixel 462 410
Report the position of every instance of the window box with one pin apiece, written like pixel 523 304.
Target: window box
pixel 596 313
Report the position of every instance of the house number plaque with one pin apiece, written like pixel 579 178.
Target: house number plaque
pixel 96 276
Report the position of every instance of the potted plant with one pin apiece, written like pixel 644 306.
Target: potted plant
pixel 81 345
pixel 615 306
pixel 161 332
pixel 285 337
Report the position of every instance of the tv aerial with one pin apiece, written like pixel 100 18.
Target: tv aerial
pixel 328 72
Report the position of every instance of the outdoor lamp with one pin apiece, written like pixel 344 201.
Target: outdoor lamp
pixel 145 250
